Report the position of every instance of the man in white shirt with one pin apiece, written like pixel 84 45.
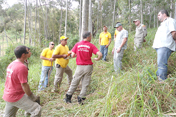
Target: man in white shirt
pixel 120 46
pixel 164 42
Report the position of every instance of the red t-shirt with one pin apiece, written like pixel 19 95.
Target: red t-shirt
pixel 84 50
pixel 16 75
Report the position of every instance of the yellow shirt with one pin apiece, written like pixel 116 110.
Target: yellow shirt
pixel 48 54
pixel 105 38
pixel 60 50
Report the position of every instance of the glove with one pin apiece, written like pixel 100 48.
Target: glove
pixel 34 98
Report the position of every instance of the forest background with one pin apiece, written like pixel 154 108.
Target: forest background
pixel 134 92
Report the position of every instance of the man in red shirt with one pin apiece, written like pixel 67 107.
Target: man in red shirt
pixel 17 93
pixel 83 50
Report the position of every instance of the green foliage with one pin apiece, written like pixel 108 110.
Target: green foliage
pixel 9 57
pixel 73 39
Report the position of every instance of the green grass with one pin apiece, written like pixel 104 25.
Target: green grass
pixel 134 92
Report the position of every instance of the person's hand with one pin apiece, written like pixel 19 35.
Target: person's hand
pixel 51 59
pixel 64 56
pixel 69 52
pixel 118 50
pixel 34 98
pixel 96 59
pixel 112 51
pixel 106 46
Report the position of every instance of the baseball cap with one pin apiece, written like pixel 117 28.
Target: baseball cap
pixel 63 37
pixel 117 25
pixel 136 20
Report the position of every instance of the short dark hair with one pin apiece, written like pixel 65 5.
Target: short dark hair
pixel 86 34
pixel 20 50
pixel 163 11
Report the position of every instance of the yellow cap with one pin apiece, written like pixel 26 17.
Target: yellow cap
pixel 63 37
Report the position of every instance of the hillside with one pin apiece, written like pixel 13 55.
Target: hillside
pixel 134 92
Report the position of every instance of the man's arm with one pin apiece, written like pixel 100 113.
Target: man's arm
pixel 99 56
pixel 144 30
pixel 26 88
pixel 109 42
pixel 59 56
pixel 173 34
pixel 123 43
pixel 99 41
pixel 44 58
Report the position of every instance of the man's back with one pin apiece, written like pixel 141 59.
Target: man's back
pixel 84 50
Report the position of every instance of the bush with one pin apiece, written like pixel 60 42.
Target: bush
pixel 10 56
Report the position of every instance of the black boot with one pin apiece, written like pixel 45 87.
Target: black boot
pixel 80 100
pixel 68 98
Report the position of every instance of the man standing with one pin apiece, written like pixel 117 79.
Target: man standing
pixel 47 66
pixel 104 41
pixel 83 50
pixel 119 47
pixel 141 33
pixel 17 93
pixel 164 42
pixel 60 53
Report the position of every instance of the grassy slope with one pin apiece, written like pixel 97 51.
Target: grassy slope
pixel 134 92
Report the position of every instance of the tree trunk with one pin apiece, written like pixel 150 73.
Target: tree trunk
pixel 36 16
pixel 29 20
pixel 98 15
pixel 129 15
pixel 113 18
pixel 60 24
pixel 90 16
pixel 171 4
pixel 85 16
pixel 141 11
pixel 66 17
pixel 25 14
pixel 80 19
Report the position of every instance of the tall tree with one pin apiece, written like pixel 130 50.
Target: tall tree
pixel 85 16
pixel 25 14
pixel 141 11
pixel 90 16
pixel 80 19
pixel 113 18
pixel 66 17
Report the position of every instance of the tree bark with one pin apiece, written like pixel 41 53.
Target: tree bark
pixel 80 19
pixel 113 18
pixel 36 16
pixel 60 24
pixel 90 16
pixel 66 17
pixel 129 15
pixel 141 11
pixel 85 16
pixel 25 14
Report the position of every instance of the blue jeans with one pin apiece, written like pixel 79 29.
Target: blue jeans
pixel 163 55
pixel 44 77
pixel 104 51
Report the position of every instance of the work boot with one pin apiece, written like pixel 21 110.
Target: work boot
pixel 80 100
pixel 68 98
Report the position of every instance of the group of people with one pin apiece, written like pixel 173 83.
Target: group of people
pixel 17 93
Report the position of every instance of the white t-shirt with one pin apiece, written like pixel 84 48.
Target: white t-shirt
pixel 121 35
pixel 163 36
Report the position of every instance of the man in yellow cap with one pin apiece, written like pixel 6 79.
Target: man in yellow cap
pixel 60 53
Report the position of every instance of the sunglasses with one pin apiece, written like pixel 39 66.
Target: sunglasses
pixel 52 44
